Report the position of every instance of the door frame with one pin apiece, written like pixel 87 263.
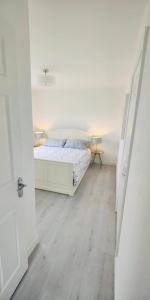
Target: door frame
pixel 121 145
pixel 143 53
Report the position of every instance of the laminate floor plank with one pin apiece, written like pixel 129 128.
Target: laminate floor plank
pixel 75 257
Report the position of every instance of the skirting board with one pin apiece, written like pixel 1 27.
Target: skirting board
pixel 32 245
pixel 108 163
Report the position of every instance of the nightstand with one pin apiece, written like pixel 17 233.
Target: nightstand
pixel 99 154
pixel 37 145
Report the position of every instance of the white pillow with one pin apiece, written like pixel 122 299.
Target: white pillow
pixel 76 144
pixel 55 142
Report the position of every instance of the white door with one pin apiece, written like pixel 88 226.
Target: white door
pixel 13 257
pixel 129 133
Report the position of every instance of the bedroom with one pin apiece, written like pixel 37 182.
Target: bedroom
pixel 72 223
pixel 81 91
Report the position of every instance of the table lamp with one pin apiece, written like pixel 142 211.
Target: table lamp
pixel 95 140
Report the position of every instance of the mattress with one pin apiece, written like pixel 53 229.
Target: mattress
pixel 80 158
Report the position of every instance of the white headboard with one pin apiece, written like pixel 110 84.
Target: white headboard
pixel 68 133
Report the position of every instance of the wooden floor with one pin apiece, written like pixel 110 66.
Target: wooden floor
pixel 75 258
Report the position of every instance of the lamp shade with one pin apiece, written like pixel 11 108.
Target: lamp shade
pixel 96 139
pixel 39 134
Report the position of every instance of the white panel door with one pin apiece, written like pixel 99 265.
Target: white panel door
pixel 13 257
pixel 129 134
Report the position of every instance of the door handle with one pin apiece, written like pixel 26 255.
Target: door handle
pixel 20 187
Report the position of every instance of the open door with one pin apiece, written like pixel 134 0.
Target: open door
pixel 13 257
pixel 129 134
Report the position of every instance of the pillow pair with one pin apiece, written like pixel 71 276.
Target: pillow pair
pixel 69 143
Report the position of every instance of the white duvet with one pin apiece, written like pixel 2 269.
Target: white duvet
pixel 80 158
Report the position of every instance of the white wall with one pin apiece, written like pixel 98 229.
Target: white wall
pixel 84 43
pixel 96 110
pixel 88 47
pixel 132 276
pixel 17 12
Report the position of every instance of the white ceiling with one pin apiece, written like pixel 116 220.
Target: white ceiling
pixel 86 43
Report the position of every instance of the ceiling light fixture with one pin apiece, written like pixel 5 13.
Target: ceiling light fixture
pixel 46 79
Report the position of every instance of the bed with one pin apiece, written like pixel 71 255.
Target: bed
pixel 60 169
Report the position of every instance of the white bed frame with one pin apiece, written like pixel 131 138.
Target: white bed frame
pixel 57 176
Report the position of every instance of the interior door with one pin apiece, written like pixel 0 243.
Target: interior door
pixel 13 257
pixel 129 133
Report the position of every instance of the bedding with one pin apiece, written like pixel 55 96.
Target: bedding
pixel 75 144
pixel 55 142
pixel 80 158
